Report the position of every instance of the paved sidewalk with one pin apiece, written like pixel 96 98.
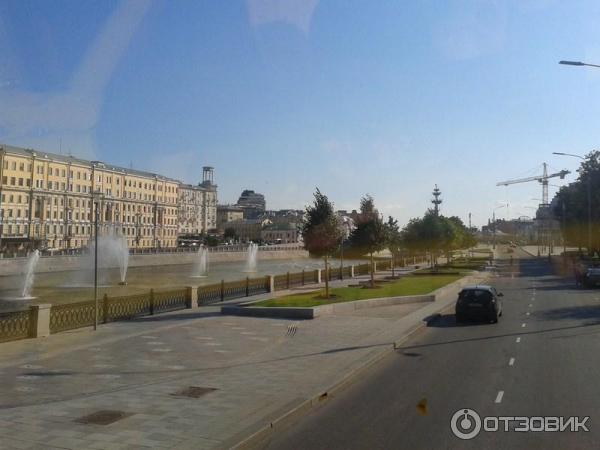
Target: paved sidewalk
pixel 259 368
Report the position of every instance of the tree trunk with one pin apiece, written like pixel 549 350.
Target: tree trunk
pixel 372 271
pixel 326 277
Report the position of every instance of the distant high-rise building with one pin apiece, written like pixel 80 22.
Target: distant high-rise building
pixel 197 205
pixel 252 203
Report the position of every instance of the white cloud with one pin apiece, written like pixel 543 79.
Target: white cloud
pixel 70 116
pixel 297 13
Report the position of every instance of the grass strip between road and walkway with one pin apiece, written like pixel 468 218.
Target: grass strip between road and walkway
pixel 407 285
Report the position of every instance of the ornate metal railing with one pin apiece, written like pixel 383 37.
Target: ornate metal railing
pixel 234 289
pixel 15 325
pixel 297 278
pixel 209 294
pixel 362 269
pixel 168 301
pixel 281 281
pixel 71 316
pixel 258 285
pixel 127 307
pixel 384 265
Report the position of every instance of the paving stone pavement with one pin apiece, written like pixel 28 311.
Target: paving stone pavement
pixel 254 366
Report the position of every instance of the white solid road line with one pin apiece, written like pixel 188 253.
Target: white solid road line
pixel 511 362
pixel 518 340
pixel 499 397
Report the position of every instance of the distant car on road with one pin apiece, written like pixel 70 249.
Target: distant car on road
pixel 479 302
pixel 592 276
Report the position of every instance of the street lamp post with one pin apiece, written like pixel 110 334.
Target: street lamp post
pixel 589 198
pixel 342 258
pixel 589 187
pixel 345 232
pixel 138 217
pixel 1 227
pixel 97 197
pixel 577 63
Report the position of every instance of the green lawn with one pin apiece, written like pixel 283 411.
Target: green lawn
pixel 409 285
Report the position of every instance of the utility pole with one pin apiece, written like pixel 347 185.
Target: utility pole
pixel 97 216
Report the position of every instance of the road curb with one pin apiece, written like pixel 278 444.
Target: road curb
pixel 257 439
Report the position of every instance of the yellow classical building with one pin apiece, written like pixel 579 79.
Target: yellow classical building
pixel 48 201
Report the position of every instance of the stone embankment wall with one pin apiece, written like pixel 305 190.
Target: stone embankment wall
pixel 14 266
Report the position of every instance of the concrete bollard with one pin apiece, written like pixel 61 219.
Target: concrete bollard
pixel 40 326
pixel 352 271
pixel 318 276
pixel 191 297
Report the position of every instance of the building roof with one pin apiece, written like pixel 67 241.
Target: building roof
pixel 73 160
pixel 249 222
pixel 229 208
pixel 198 187
pixel 282 227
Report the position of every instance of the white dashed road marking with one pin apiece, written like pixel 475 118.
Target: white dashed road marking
pixel 523 325
pixel 499 397
pixel 511 362
pixel 518 340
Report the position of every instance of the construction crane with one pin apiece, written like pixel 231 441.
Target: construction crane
pixel 541 178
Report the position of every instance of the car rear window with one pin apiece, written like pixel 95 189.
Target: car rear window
pixel 475 295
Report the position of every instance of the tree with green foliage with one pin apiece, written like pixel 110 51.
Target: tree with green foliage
pixel 571 205
pixel 321 231
pixel 393 240
pixel 423 235
pixel 461 237
pixel 211 241
pixel 229 234
pixel 370 234
pixel 437 234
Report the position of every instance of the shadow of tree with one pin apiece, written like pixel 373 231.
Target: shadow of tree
pixel 585 312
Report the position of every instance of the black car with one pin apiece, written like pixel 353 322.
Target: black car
pixel 479 302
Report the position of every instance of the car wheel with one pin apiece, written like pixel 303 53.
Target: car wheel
pixel 495 319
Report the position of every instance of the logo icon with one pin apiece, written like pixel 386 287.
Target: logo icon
pixel 465 424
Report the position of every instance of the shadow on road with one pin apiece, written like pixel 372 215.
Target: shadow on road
pixel 499 336
pixel 585 312
pixel 175 317
pixel 558 287
pixel 449 321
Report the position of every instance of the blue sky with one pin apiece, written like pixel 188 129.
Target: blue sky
pixel 355 97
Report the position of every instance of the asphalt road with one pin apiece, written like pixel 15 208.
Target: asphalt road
pixel 541 359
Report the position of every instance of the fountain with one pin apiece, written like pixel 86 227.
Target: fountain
pixel 201 264
pixel 112 252
pixel 29 275
pixel 251 257
pixel 121 252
